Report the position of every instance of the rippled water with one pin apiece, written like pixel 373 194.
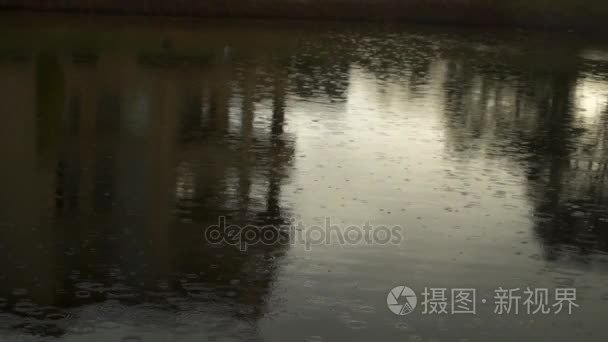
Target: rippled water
pixel 121 140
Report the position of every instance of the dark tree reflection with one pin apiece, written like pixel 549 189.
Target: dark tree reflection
pixel 532 121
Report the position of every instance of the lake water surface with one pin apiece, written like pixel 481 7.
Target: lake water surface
pixel 123 139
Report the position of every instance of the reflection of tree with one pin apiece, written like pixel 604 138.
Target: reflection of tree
pixel 569 188
pixel 530 120
pixel 407 60
pixel 319 71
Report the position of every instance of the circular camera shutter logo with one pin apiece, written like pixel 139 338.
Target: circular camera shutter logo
pixel 401 300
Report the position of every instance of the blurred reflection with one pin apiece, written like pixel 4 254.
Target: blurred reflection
pixel 116 157
pixel 540 120
pixel 139 157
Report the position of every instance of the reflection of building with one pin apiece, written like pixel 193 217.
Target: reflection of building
pixel 120 165
pixel 28 258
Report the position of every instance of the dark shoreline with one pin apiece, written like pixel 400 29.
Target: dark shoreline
pixel 583 15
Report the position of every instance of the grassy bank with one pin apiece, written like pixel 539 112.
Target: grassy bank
pixel 554 14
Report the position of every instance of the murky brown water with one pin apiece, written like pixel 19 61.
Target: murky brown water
pixel 120 143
